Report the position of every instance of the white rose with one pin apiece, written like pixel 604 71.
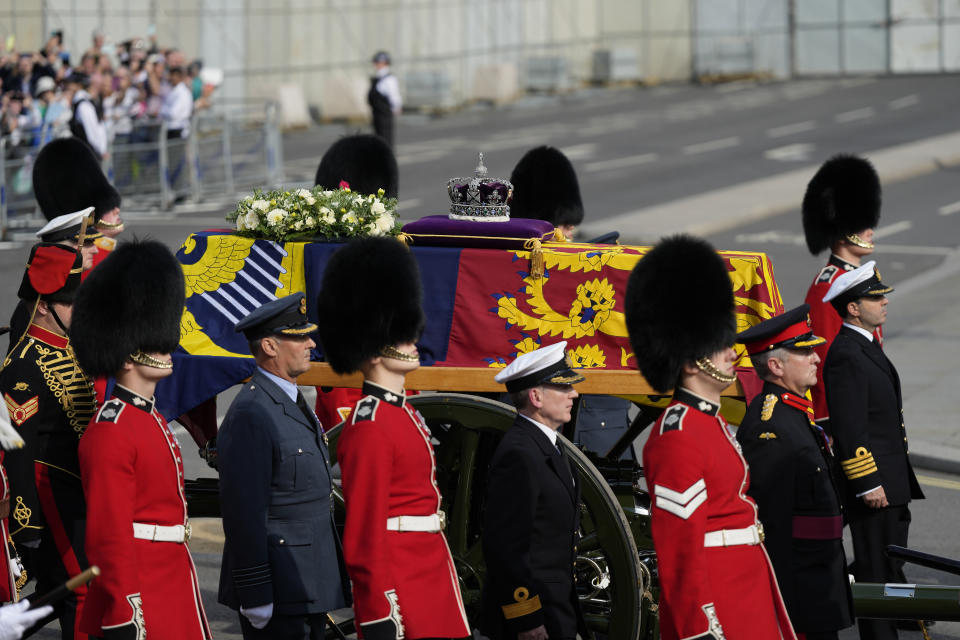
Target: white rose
pixel 240 223
pixel 358 200
pixel 260 205
pixel 251 220
pixel 306 196
pixel 310 222
pixel 377 208
pixel 350 219
pixel 373 230
pixel 384 222
pixel 275 217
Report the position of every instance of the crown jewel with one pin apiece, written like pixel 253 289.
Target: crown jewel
pixel 479 197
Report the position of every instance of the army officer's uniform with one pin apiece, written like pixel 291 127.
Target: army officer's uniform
pixel 791 480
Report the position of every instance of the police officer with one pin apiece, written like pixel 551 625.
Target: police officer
pixel 404 580
pixel 841 208
pixel 791 481
pixel 384 97
pixel 866 415
pixel 51 401
pixel 127 322
pixel 282 564
pixel 531 514
pixel 716 579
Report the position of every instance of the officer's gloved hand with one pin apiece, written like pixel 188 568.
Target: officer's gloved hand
pixel 383 630
pixel 15 619
pixel 260 616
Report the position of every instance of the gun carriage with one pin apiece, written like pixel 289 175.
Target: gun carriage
pixel 484 306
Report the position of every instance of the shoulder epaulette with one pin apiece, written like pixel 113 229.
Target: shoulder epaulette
pixel 827 273
pixel 110 411
pixel 673 418
pixel 769 402
pixel 366 409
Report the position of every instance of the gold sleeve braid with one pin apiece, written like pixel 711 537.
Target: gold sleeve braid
pixel 862 464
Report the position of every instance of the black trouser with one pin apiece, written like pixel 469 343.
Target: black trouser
pixel 872 530
pixel 299 627
pixel 383 125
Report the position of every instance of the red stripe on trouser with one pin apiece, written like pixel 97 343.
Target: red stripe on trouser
pixel 60 538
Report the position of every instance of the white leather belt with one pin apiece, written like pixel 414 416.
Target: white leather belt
pixel 434 523
pixel 733 537
pixel 162 533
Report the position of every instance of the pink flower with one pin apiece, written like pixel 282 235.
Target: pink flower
pixel 344 184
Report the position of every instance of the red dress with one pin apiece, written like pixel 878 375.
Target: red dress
pixel 388 470
pixel 826 323
pixel 699 480
pixel 132 471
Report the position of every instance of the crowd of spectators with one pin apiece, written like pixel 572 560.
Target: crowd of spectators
pixel 112 92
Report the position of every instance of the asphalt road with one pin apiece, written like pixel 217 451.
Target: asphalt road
pixel 635 148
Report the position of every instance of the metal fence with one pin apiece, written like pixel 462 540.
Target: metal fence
pixel 226 152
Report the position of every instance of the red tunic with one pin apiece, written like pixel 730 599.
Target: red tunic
pixel 132 471
pixel 8 588
pixel 699 480
pixel 388 470
pixel 826 323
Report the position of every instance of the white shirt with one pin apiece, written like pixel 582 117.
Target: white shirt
pixel 390 88
pixel 87 116
pixel 866 334
pixel 547 431
pixel 177 109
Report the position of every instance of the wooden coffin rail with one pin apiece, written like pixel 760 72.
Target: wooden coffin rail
pixel 476 380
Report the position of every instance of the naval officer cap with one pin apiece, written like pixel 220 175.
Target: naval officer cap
pixel 68 226
pixel 790 330
pixel 285 316
pixel 862 282
pixel 547 365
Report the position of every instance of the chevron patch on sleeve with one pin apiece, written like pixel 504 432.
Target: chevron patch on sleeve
pixel 681 504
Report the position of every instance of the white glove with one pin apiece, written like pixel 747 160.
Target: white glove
pixel 15 619
pixel 258 616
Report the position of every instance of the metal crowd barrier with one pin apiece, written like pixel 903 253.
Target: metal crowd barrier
pixel 223 155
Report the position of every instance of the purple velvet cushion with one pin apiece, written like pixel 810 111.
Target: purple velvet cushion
pixel 441 231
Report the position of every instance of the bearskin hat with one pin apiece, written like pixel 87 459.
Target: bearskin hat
pixel 363 161
pixel 131 302
pixel 370 298
pixel 842 198
pixel 545 187
pixel 679 307
pixel 67 177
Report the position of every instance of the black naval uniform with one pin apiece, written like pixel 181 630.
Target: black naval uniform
pixel 800 508
pixel 50 401
pixel 866 412
pixel 531 525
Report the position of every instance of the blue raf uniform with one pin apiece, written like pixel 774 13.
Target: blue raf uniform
pixel 281 545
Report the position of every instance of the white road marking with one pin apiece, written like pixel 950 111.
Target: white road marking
pixel 949 209
pixel 408 204
pixel 856 82
pixel 772 237
pixel 620 163
pixel 424 156
pixel 713 145
pixel 891 229
pixel 856 114
pixel 904 102
pixel 799 152
pixel 579 151
pixel 791 129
